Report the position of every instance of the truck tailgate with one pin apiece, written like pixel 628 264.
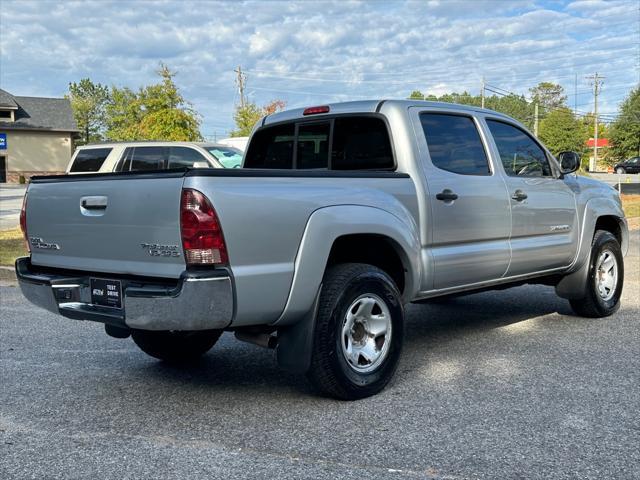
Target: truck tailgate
pixel 125 224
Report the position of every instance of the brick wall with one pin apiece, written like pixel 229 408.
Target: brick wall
pixel 14 177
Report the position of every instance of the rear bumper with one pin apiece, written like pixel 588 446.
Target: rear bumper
pixel 197 301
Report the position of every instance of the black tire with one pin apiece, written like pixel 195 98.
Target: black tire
pixel 330 371
pixel 620 171
pixel 592 304
pixel 174 346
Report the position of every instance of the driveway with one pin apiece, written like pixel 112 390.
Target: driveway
pixel 495 385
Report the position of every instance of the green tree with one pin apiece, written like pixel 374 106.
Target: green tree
pixel 625 131
pixel 516 106
pixel 248 115
pixel 549 96
pixel 88 102
pixel 155 112
pixel 513 105
pixel 560 132
pixel 588 124
pixel 124 115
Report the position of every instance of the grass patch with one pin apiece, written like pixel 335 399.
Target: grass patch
pixel 11 246
pixel 631 205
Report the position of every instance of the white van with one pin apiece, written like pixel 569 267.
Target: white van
pixel 135 156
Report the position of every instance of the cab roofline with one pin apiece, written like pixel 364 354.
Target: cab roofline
pixel 372 106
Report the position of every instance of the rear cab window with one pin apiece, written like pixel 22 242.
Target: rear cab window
pixel 347 142
pixel 89 159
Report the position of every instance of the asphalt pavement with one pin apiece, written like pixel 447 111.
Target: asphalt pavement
pixel 10 205
pixel 497 385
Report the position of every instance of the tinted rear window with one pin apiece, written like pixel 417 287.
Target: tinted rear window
pixel 454 144
pixel 143 158
pixel 148 158
pixel 313 145
pixel 90 159
pixel 180 157
pixel 271 148
pixel 361 143
pixel 343 143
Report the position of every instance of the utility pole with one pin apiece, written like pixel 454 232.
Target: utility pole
pixel 575 96
pixel 241 81
pixel 597 83
pixel 482 92
pixel 535 119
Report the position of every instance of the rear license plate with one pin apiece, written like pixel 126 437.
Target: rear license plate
pixel 106 293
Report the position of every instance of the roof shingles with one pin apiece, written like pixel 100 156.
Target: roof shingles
pixel 38 113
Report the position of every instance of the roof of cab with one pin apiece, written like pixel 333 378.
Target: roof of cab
pixel 372 106
pixel 153 143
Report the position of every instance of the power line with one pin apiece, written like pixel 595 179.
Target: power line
pixel 297 75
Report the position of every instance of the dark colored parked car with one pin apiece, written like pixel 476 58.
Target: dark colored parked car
pixel 631 165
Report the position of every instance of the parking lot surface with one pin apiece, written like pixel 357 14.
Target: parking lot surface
pixel 495 385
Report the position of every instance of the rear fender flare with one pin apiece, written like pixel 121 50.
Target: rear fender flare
pixel 327 224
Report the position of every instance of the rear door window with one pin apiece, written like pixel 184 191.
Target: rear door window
pixel 180 157
pixel 454 144
pixel 343 143
pixel 148 158
pixel 90 159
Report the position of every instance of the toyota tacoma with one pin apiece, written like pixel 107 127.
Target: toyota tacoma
pixel 341 215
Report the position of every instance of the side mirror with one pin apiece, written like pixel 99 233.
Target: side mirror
pixel 569 162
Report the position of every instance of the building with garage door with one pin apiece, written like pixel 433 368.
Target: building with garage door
pixel 36 136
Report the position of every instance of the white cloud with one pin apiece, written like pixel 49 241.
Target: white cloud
pixel 309 51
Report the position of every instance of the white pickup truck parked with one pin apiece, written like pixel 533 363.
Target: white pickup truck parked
pixel 342 215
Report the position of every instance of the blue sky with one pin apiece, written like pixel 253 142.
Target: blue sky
pixel 312 52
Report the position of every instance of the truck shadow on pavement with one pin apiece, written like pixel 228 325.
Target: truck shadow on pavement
pixel 236 365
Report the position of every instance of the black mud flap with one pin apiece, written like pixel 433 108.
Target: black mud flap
pixel 295 342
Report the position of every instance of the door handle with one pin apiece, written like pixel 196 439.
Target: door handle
pixel 94 203
pixel 519 195
pixel 446 195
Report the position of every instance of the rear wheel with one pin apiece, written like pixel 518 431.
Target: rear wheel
pixel 620 170
pixel 175 346
pixel 605 280
pixel 358 332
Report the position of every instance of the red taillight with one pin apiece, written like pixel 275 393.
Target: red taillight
pixel 23 223
pixel 316 110
pixel 202 238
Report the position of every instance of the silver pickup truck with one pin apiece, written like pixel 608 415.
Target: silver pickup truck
pixel 341 215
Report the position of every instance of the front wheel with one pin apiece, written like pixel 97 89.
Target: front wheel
pixel 358 332
pixel 620 171
pixel 175 346
pixel 605 280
